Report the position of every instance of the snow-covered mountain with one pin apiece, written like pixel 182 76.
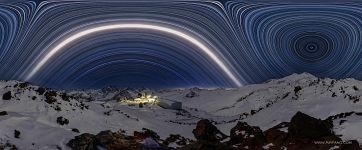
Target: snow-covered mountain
pixel 33 117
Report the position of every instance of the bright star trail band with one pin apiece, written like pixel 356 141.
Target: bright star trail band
pixel 90 44
pixel 188 38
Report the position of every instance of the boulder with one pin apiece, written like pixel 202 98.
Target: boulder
pixel 306 132
pixel 244 135
pixel 304 126
pixel 208 138
pixel 3 113
pixel 65 97
pixel 17 134
pixel 62 121
pixel 50 97
pixel 139 136
pixel 206 131
pixel 8 146
pixel 75 130
pixel 40 90
pixel 104 140
pixel 22 85
pixel 151 133
pixel 84 141
pixel 276 134
pixel 7 95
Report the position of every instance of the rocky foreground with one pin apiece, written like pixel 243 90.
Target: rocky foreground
pixel 301 133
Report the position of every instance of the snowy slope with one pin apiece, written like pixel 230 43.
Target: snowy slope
pixel 91 111
pixel 278 102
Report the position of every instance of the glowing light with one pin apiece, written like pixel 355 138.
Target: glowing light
pixel 143 99
pixel 177 33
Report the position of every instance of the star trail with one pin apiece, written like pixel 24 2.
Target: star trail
pixel 159 44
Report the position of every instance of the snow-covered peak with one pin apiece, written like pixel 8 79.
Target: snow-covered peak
pixel 293 78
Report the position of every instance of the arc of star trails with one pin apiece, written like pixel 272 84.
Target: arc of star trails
pixel 177 33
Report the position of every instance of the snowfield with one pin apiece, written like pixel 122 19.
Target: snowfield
pixel 48 119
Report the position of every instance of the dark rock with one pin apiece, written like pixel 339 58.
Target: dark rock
pixel 51 94
pixel 177 139
pixel 355 88
pixel 50 97
pixel 50 100
pixel 342 121
pixel 83 106
pixel 206 131
pixel 285 95
pixel 151 133
pixel 139 135
pixel 58 147
pixel 108 113
pixel 33 98
pixel 22 85
pixel 358 113
pixel 3 113
pixel 65 97
pixel 57 108
pixel 297 89
pixel 84 141
pixel 40 90
pixel 75 130
pixel 7 95
pixel 276 136
pixel 252 112
pixel 62 121
pixel 334 94
pixel 304 126
pixel 8 146
pixel 304 132
pixel 115 140
pixel 328 123
pixel 244 135
pixel 191 94
pixel 17 134
pixel 151 140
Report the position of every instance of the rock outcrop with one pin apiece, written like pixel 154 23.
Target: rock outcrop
pixel 244 135
pixel 305 132
pixel 206 131
pixel 7 95
pixel 104 139
pixel 304 126
pixel 302 132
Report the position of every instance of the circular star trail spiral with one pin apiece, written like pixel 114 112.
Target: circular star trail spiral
pixel 91 44
pixel 284 38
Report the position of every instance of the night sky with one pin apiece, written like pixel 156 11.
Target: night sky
pixel 165 44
